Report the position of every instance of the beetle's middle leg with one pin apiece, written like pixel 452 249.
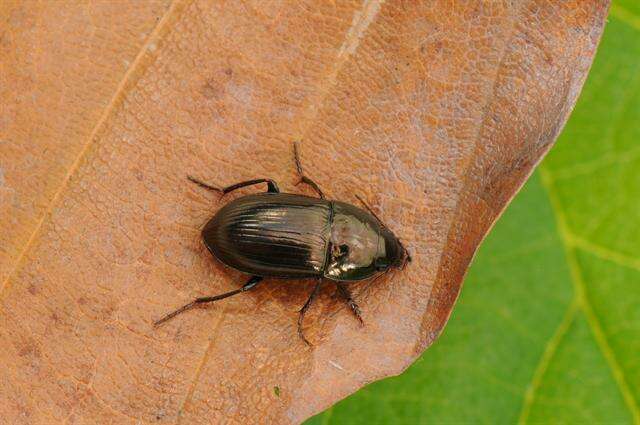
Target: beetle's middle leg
pixel 253 281
pixel 304 309
pixel 272 187
pixel 346 294
pixel 303 178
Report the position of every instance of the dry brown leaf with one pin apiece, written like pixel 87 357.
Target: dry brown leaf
pixel 436 112
pixel 61 65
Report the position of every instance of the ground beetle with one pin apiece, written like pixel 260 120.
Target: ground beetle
pixel 283 235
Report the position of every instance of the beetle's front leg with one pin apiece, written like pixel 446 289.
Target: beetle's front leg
pixel 304 309
pixel 346 294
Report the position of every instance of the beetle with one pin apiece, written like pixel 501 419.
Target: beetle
pixel 291 236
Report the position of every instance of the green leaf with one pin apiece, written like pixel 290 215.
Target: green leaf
pixel 547 328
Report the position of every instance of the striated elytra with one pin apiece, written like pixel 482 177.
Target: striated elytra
pixel 289 236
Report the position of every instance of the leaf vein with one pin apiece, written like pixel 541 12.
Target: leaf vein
pixel 115 100
pixel 203 362
pixel 605 253
pixel 583 300
pixel 361 22
pixel 612 157
pixel 545 360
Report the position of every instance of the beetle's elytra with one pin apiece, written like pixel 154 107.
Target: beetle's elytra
pixel 288 236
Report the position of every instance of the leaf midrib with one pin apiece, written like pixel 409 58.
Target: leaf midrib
pixel 581 299
pixel 111 106
pixel 581 302
pixel 360 24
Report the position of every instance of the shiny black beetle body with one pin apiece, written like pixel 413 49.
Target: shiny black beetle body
pixel 284 235
pixel 288 236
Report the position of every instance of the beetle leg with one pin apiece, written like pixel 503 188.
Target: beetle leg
pixel 346 294
pixel 303 178
pixel 202 300
pixel 204 185
pixel 304 309
pixel 272 187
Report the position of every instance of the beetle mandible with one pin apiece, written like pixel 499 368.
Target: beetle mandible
pixel 289 236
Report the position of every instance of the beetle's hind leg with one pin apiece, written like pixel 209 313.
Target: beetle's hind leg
pixel 304 309
pixel 303 178
pixel 272 187
pixel 346 294
pixel 203 300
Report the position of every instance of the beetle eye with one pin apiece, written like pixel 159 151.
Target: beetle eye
pixel 338 251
